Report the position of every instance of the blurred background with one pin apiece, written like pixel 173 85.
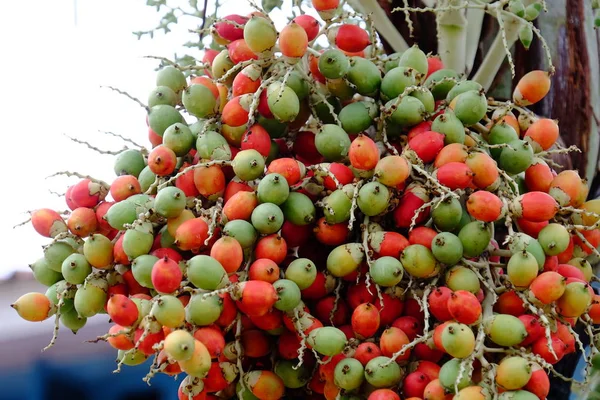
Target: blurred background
pixel 55 58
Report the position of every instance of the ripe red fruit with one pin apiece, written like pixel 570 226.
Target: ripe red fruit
pixel 256 298
pixel 122 310
pixel 240 52
pixel 484 167
pixel 427 353
pixel 509 303
pixel 422 235
pixel 434 63
pixel 325 5
pixel 421 127
pixel 288 167
pixel 162 160
pixel 414 384
pixel 166 275
pixel 257 138
pixel 565 335
pixel 484 206
pixel 124 186
pixel 191 234
pixel 454 152
pixel 319 288
pixel 363 153
pixel 273 247
pixel 359 294
pixel 210 181
pixel 392 340
pixel 82 222
pixel 310 25
pixel 120 341
pixel 185 182
pixel 539 383
pixel 538 176
pixel 233 187
pixel 305 149
pixel 367 351
pixel 383 394
pixel 455 175
pixel 413 309
pixel 411 201
pixel 342 173
pixel 409 325
pixel 540 347
pixel 228 31
pixel 531 228
pixel 390 310
pixel 567 271
pixel 348 37
pixel 535 206
pixel 427 145
pixel 549 286
pixel 264 269
pixel 365 320
pixel 464 307
pixel 438 303
pixel 534 329
pixel 228 252
pixel 288 345
pixel 212 338
pixel 330 234
pixel 240 206
pixel 544 132
pixel 149 341
pixel 323 311
pixel 255 343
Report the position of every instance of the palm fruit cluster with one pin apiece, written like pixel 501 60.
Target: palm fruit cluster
pixel 334 223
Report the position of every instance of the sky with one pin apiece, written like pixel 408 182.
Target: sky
pixel 54 59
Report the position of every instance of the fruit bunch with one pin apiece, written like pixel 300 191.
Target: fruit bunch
pixel 334 223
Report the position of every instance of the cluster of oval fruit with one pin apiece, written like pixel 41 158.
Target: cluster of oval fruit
pixel 327 225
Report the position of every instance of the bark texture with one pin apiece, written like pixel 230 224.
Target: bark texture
pixel 571 99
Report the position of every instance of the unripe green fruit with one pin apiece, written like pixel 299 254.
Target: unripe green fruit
pixel 162 95
pixel 345 259
pixel 450 126
pixel 349 374
pixel 301 271
pixel 441 82
pixel 289 295
pixel 162 116
pixel 470 107
pixel 447 214
pixel 333 64
pixel 327 340
pixel 475 237
pixel 199 101
pixel 332 142
pixel 447 248
pixel 299 209
pixel 415 58
pixel 554 239
pixel 293 377
pixel 380 372
pixel 248 165
pixel 449 373
pixel 505 330
pixel 386 271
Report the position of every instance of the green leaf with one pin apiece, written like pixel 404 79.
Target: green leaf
pixel 270 5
